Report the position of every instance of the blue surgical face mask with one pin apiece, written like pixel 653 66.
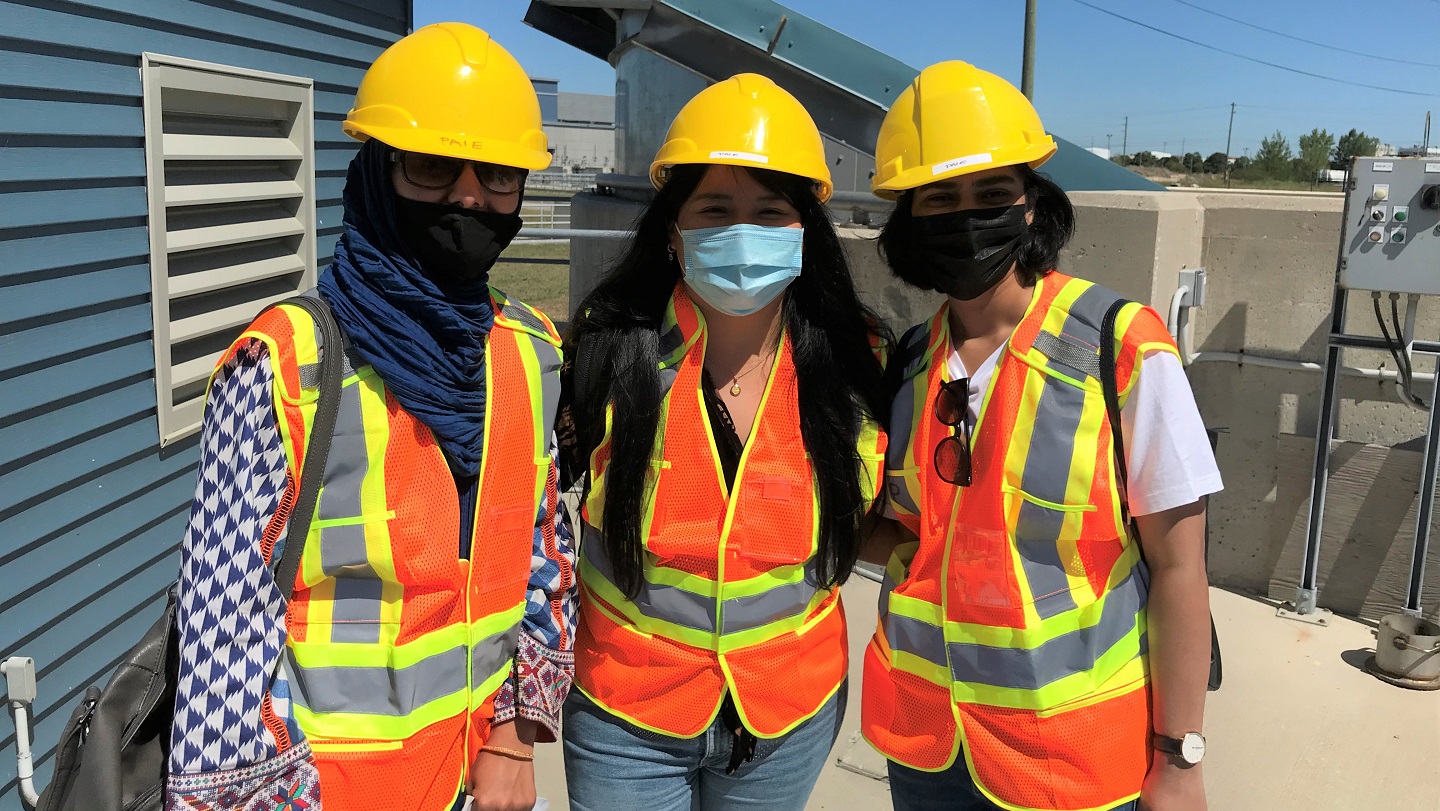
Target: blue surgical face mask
pixel 738 269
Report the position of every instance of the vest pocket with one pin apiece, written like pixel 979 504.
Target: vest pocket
pixel 982 575
pixel 1050 541
pixel 774 521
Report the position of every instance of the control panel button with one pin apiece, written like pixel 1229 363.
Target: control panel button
pixel 1377 235
pixel 1401 213
pixel 1381 191
pixel 1379 213
pixel 1398 236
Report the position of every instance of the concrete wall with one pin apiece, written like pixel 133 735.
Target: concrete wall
pixel 1271 266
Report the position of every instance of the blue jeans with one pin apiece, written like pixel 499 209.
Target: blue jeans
pixel 950 790
pixel 611 764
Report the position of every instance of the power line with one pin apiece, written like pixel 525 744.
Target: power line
pixel 1251 58
pixel 1248 24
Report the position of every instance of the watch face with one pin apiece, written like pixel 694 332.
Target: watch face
pixel 1192 747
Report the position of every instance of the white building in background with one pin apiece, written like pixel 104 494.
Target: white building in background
pixel 1099 150
pixel 581 127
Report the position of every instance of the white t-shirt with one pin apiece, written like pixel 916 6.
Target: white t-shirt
pixel 1167 453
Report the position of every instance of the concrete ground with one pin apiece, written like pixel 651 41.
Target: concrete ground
pixel 1298 726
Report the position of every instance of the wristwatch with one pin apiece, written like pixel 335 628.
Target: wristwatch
pixel 1190 747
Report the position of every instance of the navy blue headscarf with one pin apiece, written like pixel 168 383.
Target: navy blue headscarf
pixel 426 343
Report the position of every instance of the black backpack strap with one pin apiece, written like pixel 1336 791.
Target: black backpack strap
pixel 317 449
pixel 1111 387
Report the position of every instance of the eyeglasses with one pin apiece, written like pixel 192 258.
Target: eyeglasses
pixel 952 454
pixel 439 172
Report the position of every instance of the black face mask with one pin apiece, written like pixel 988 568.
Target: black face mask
pixel 966 253
pixel 456 247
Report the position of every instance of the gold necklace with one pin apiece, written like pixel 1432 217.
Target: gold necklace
pixel 735 384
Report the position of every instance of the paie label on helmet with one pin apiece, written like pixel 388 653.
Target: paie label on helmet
pixel 968 160
pixel 742 156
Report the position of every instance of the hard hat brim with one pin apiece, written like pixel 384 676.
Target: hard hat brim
pixel 659 170
pixel 434 143
pixel 1033 156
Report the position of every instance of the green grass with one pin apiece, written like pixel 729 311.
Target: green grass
pixel 545 287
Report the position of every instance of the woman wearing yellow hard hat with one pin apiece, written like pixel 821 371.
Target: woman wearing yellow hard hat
pixel 727 397
pixel 1032 652
pixel 426 646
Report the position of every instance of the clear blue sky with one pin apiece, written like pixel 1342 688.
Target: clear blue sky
pixel 1093 70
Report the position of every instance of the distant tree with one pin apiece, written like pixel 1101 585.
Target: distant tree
pixel 1143 159
pixel 1123 160
pixel 1194 162
pixel 1315 150
pixel 1173 163
pixel 1215 164
pixel 1273 159
pixel 1353 144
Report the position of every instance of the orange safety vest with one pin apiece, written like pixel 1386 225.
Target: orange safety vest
pixel 395 646
pixel 730 599
pixel 1014 630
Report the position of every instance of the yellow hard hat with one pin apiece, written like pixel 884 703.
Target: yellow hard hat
pixel 449 89
pixel 955 119
pixel 746 120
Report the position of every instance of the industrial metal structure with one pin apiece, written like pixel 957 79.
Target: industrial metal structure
pixel 1389 244
pixel 665 51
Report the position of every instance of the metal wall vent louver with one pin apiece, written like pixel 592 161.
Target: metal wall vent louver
pixel 230 175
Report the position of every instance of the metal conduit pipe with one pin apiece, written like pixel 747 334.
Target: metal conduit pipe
pixel 19 674
pixel 1179 321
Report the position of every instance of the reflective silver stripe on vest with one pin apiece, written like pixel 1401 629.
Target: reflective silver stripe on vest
pixel 355 610
pixel 1069 355
pixel 493 653
pixel 1046 477
pixel 378 690
pixel 343 554
pixel 687 609
pixel 664 603
pixel 915 637
pixel 1086 313
pixel 772 605
pixel 521 314
pixel 549 362
pixel 902 418
pixel 1065 655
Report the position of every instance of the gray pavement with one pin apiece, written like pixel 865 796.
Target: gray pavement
pixel 1298 726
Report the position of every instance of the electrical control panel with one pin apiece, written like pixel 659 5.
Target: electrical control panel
pixel 1391 237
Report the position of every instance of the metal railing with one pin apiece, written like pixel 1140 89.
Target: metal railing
pixel 546 213
pixel 562 181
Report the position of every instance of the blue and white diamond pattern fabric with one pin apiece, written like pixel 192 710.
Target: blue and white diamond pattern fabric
pixel 230 614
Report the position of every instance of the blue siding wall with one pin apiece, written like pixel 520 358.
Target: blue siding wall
pixel 91 509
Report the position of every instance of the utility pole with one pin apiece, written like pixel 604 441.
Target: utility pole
pixel 1027 74
pixel 1125 139
pixel 1107 142
pixel 1227 144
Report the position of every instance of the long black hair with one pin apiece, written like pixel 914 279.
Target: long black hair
pixel 1051 230
pixel 838 375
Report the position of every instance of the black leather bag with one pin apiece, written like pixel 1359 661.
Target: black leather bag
pixel 1112 407
pixel 115 750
